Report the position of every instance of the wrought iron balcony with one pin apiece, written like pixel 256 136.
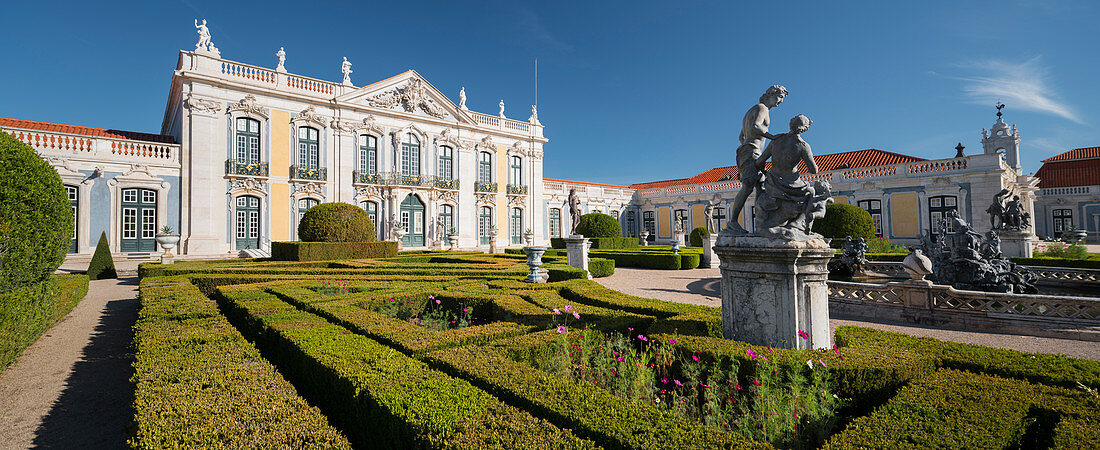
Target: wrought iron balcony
pixel 484 187
pixel 402 179
pixel 516 189
pixel 251 169
pixel 446 183
pixel 308 173
pixel 364 177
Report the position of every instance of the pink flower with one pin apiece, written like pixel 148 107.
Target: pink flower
pixel 629 329
pixel 737 386
pixel 695 357
pixel 568 308
pixel 438 301
pixel 752 354
pixel 664 380
pixel 576 315
pixel 795 415
pixel 556 311
pixel 561 329
pixel 678 383
pixel 756 382
pixel 465 310
pixel 642 337
pixel 431 297
pixel 823 363
pixel 703 385
pixel 803 334
pixel 620 359
pixel 672 341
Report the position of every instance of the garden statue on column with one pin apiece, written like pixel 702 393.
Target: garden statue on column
pixel 789 205
pixel 754 129
pixel 574 211
pixel 708 215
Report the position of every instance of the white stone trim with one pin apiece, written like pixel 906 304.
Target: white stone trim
pixel 137 177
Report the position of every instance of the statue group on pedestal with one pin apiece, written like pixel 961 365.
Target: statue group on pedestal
pixel 962 258
pixel 1008 215
pixel 787 204
pixel 853 256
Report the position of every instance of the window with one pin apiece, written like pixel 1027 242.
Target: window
pixel 516 224
pixel 74 203
pixel 649 225
pixel 308 156
pixel 248 222
pixel 630 223
pixel 555 223
pixel 515 171
pixel 1063 219
pixel 485 167
pixel 719 216
pixel 248 140
pixel 304 205
pixel 484 224
pixel 446 160
pixel 938 207
pixel 447 213
pixel 372 210
pixel 139 220
pixel 874 207
pixel 368 153
pixel 410 155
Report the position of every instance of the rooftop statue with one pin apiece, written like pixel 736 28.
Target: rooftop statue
pixel 345 68
pixel 963 259
pixel 462 97
pixel 281 54
pixel 204 44
pixel 754 129
pixel 574 211
pixel 789 205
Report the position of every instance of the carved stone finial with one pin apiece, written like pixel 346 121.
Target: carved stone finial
pixel 959 150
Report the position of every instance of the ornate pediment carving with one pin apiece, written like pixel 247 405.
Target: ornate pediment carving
pixel 448 196
pixel 247 105
pixel 412 96
pixel 517 148
pixel 370 124
pixel 203 105
pixel 486 199
pixel 516 200
pixel 310 115
pixel 369 192
pixel 448 138
pixel 308 189
pixel 487 144
pixel 247 186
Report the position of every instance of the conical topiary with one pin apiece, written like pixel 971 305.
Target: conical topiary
pixel 102 265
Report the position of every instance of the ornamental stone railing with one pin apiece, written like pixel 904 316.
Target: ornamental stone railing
pixel 450 184
pixel 516 189
pixel 895 269
pixel 243 168
pixel 402 179
pixel 308 173
pixel 484 187
pixel 49 143
pixel 1046 315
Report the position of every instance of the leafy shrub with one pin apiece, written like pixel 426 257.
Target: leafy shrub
pixel 690 260
pixel 326 251
pixel 599 225
pixel 842 220
pixel 665 260
pixel 102 265
pixel 695 239
pixel 1075 250
pixel 336 222
pixel 600 267
pixel 27 312
pixel 1090 263
pixel 601 243
pixel 883 245
pixel 36 222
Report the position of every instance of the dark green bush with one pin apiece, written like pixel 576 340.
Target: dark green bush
pixel 102 265
pixel 664 260
pixel 336 222
pixel 601 243
pixel 690 260
pixel 600 267
pixel 695 239
pixel 36 222
pixel 27 312
pixel 598 225
pixel 842 220
pixel 1058 262
pixel 327 251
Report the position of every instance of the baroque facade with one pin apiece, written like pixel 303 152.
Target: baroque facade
pixel 1069 194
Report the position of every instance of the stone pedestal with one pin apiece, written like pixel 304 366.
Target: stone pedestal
pixel 772 289
pixel 576 252
pixel 453 242
pixel 493 244
pixel 534 260
pixel 166 258
pixel 709 260
pixel 1017 243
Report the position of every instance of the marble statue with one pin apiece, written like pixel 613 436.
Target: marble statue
pixel 708 215
pixel 345 68
pixel 963 259
pixel 754 129
pixel 439 231
pixel 574 211
pixel 501 114
pixel 281 54
pixel 788 205
pixel 462 98
pixel 204 44
pixel 679 224
pixel 534 115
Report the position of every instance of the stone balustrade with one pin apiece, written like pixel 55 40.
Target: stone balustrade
pixel 1070 190
pixel 48 143
pixel 895 269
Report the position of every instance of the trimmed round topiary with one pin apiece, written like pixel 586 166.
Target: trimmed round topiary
pixel 36 219
pixel 696 237
pixel 336 222
pixel 598 225
pixel 842 220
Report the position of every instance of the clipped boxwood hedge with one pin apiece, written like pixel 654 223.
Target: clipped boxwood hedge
pixel 327 251
pixel 601 243
pixel 599 225
pixel 601 267
pixel 695 239
pixel 336 222
pixel 27 312
pixel 1058 262
pixel 690 260
pixel 842 220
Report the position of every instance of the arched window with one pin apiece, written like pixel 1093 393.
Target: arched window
pixel 485 167
pixel 447 213
pixel 248 140
pixel 555 222
pixel 516 225
pixel 410 155
pixel 368 153
pixel 308 155
pixel 446 159
pixel 248 222
pixel 485 224
pixel 372 210
pixel 304 205
pixel 515 171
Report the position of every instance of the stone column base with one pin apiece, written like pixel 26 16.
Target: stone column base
pixel 772 289
pixel 709 260
pixel 1017 243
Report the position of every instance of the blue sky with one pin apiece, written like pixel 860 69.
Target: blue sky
pixel 629 91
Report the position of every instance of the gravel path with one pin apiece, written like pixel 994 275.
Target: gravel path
pixel 71 388
pixel 701 287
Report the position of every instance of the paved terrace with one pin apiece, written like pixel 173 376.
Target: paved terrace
pixel 701 287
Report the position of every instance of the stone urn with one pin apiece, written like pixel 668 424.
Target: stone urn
pixel 675 246
pixel 452 240
pixel 534 260
pixel 399 233
pixel 645 237
pixel 529 237
pixel 167 239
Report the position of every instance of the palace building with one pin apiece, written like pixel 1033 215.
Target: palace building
pixel 1069 194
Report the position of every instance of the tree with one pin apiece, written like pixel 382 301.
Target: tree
pixel 598 225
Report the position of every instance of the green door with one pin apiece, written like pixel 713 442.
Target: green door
pixel 74 201
pixel 412 219
pixel 484 224
pixel 139 220
pixel 248 222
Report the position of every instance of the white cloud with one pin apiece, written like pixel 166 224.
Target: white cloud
pixel 1019 85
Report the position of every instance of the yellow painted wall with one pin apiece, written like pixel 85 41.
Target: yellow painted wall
pixel 663 219
pixel 840 200
pixel 698 217
pixel 280 167
pixel 904 214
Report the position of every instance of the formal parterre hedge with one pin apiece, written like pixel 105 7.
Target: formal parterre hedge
pixel 27 312
pixel 602 243
pixel 325 251
pixel 385 381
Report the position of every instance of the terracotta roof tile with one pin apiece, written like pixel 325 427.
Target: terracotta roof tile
pixel 1077 153
pixel 86 131
pixel 853 159
pixel 1080 172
